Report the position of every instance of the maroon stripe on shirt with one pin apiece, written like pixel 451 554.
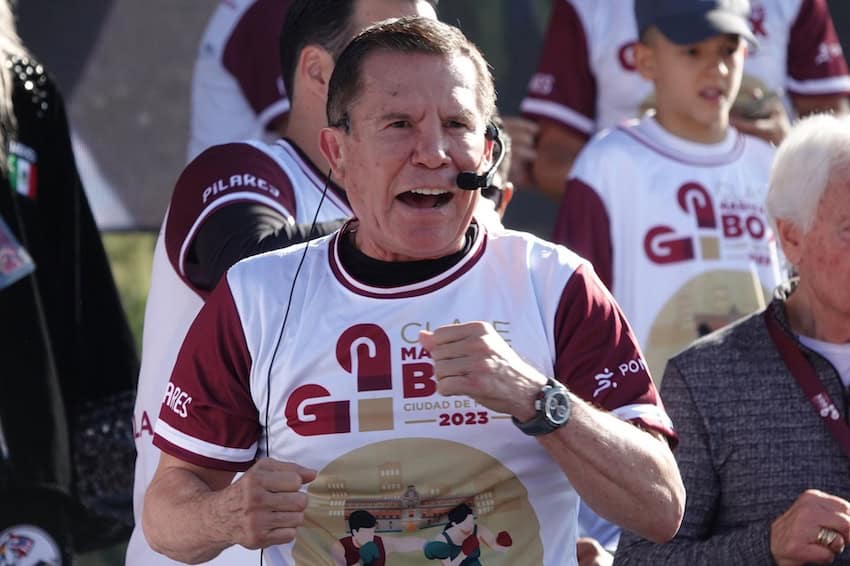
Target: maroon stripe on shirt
pixel 202 461
pixel 696 160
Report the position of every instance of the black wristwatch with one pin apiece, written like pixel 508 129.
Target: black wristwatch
pixel 553 410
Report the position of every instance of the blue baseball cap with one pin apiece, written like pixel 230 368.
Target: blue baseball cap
pixel 691 21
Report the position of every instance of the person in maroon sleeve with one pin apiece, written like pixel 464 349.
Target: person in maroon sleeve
pixel 587 80
pixel 237 86
pixel 413 360
pixel 239 199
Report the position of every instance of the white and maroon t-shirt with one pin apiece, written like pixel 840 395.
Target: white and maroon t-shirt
pixel 586 78
pixel 275 175
pixel 676 229
pixel 237 87
pixel 353 393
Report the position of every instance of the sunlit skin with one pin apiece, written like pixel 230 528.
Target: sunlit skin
pixel 695 84
pixel 316 64
pixel 416 124
pixel 820 306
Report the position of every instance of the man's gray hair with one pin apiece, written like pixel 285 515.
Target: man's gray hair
pixel 816 152
pixel 403 35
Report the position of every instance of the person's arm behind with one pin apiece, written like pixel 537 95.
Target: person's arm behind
pixel 557 149
pixel 830 103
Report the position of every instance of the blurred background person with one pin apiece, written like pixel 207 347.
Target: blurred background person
pixel 587 80
pixel 237 86
pixel 669 209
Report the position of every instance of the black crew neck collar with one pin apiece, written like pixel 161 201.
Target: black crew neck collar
pixel 378 273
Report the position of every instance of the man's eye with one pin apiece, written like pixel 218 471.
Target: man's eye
pixel 399 124
pixel 455 124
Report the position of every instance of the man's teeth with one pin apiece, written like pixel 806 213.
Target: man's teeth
pixel 430 192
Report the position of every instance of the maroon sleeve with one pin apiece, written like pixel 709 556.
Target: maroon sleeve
pixel 598 357
pixel 814 51
pixel 252 54
pixel 221 175
pixel 583 226
pixel 208 416
pixel 563 89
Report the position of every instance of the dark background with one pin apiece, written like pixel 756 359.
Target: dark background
pixel 125 67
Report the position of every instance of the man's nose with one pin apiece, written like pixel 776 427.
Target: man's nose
pixel 431 148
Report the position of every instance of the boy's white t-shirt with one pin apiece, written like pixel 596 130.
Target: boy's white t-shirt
pixel 677 229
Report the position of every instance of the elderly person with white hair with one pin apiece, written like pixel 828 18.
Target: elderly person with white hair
pixel 761 406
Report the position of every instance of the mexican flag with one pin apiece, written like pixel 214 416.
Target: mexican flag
pixel 22 175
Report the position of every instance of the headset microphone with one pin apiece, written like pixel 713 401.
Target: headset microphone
pixel 470 180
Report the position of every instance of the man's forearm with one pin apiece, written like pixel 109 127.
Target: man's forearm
pixel 183 517
pixel 623 473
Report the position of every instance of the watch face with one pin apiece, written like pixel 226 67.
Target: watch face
pixel 558 408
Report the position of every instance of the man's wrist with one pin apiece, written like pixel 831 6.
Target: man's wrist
pixel 552 409
pixel 525 410
pixel 525 398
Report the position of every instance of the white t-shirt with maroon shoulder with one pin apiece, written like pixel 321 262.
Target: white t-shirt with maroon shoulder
pixel 353 395
pixel 276 175
pixel 586 78
pixel 237 87
pixel 676 229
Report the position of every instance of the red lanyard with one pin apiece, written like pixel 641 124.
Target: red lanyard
pixel 812 387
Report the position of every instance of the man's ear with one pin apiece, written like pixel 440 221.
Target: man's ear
pixel 315 66
pixel 330 144
pixel 791 239
pixel 645 61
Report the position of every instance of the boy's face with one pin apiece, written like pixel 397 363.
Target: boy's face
pixel 695 85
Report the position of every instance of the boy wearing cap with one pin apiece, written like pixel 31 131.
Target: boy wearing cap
pixel 586 79
pixel 669 209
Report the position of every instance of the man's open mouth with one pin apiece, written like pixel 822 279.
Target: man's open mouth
pixel 426 198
